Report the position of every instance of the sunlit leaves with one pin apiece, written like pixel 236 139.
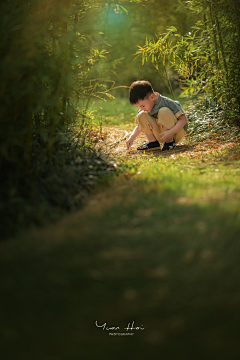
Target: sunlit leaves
pixel 207 57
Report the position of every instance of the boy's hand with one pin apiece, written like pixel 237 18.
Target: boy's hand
pixel 166 136
pixel 129 142
pixel 133 136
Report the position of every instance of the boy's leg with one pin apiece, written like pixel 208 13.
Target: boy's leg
pixel 150 137
pixel 167 119
pixel 165 129
pixel 148 125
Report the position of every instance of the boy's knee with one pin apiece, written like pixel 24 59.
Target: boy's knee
pixel 145 123
pixel 166 117
pixel 165 110
pixel 141 115
pixel 142 119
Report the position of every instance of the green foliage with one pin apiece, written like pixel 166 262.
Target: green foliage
pixel 121 31
pixel 207 119
pixel 47 55
pixel 158 52
pixel 55 183
pixel 207 57
pixel 45 60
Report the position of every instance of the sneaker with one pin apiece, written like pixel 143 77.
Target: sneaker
pixel 153 145
pixel 169 146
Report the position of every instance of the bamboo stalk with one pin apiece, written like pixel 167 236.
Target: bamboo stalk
pixel 214 36
pixel 237 13
pixel 209 56
pixel 221 47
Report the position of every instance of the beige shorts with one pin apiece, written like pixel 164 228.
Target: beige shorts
pixel 150 125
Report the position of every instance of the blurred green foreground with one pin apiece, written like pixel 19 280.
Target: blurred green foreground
pixel 159 248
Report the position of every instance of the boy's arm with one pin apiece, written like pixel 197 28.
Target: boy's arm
pixel 165 135
pixel 136 132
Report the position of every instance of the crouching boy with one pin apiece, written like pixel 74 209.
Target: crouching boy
pixel 161 119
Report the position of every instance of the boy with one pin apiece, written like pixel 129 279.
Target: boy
pixel 161 119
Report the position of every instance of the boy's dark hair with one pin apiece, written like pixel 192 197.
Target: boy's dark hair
pixel 139 90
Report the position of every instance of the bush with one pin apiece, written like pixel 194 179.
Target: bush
pixel 208 118
pixel 53 184
pixel 47 55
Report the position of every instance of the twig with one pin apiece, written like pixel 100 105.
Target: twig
pixel 118 141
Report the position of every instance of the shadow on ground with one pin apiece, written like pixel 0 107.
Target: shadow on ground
pixel 142 254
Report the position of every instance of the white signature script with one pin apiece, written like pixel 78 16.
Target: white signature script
pixel 129 327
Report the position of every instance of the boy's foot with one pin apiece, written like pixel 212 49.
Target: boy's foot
pixel 169 146
pixel 153 145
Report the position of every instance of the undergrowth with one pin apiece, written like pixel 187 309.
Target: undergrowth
pixel 55 183
pixel 207 119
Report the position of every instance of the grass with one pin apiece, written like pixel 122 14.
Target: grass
pixel 114 112
pixel 119 111
pixel 158 247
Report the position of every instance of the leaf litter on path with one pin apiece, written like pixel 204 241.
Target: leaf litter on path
pixel 114 144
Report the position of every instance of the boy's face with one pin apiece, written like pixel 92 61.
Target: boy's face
pixel 147 104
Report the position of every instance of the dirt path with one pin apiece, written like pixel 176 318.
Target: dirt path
pixel 113 142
